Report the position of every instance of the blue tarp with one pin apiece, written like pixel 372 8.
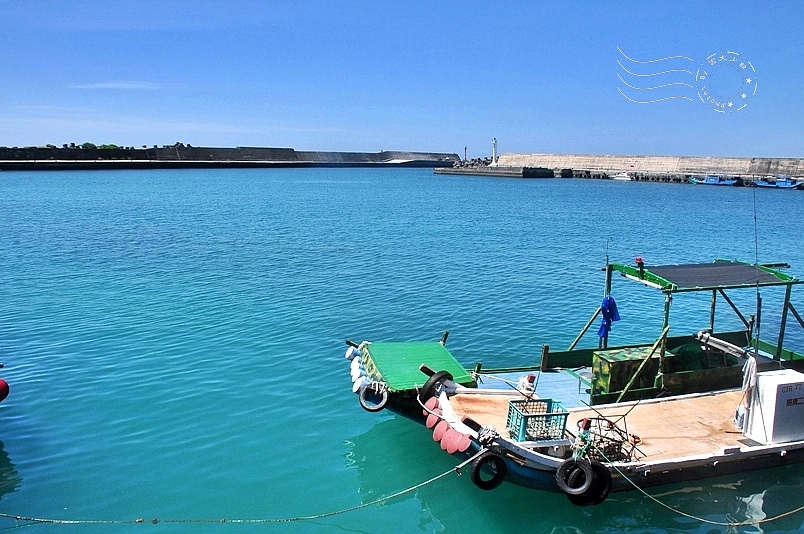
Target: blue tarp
pixel 610 313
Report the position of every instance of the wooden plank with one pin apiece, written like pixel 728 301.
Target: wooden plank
pixel 670 428
pixel 677 427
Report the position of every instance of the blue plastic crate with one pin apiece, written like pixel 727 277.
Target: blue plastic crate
pixel 536 419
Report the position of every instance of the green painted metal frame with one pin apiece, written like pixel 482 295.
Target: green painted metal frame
pixel 633 272
pixel 645 276
pixel 575 358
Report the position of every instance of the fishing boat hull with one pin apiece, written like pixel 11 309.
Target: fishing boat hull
pixel 696 441
pixel 780 183
pixel 623 177
pixel 611 418
pixel 716 179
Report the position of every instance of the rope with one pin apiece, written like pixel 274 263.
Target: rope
pixel 693 517
pixel 456 469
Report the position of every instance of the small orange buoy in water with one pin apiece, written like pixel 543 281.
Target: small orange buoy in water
pixel 3 389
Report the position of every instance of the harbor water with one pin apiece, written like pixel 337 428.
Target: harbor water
pixel 174 340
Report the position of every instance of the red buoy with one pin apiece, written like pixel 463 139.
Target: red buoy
pixel 3 389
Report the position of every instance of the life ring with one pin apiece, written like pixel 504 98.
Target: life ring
pixel 375 390
pixel 600 489
pixel 497 464
pixel 428 389
pixel 574 477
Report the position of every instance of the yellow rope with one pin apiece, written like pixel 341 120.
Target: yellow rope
pixel 455 469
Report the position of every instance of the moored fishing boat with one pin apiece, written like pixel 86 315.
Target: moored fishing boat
pixel 623 176
pixel 779 182
pixel 716 179
pixel 586 422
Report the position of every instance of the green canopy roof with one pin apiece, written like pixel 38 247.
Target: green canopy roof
pixel 398 363
pixel 721 274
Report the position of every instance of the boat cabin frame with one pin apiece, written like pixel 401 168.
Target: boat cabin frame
pixel 676 365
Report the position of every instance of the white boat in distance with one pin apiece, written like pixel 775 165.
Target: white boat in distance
pixel 623 176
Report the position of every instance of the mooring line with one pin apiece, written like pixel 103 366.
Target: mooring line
pixel 456 469
pixel 690 516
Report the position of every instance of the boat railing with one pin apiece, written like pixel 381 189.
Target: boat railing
pixel 585 328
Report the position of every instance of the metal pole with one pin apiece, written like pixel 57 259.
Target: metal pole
pixel 585 328
pixel 712 311
pixel 785 306
pixel 668 298
pixel 658 342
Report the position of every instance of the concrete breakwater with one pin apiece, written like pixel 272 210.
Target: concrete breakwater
pixel 488 170
pixel 186 156
pixel 655 167
pixel 677 169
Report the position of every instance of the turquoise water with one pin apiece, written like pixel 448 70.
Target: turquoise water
pixel 174 339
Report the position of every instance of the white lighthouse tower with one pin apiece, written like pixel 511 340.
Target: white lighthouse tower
pixel 494 151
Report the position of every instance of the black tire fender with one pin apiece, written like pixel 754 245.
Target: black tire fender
pixel 602 486
pixel 373 389
pixel 499 466
pixel 600 489
pixel 428 389
pixel 575 477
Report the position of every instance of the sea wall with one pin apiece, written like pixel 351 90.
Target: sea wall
pixel 489 170
pixel 658 164
pixel 185 156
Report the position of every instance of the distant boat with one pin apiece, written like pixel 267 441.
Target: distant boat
pixel 623 176
pixel 779 182
pixel 716 179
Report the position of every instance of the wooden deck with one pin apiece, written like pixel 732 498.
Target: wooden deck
pixel 673 427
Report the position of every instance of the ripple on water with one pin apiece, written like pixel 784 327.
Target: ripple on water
pixel 174 340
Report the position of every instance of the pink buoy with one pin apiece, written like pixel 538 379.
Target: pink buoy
pixel 433 418
pixel 464 442
pixel 445 440
pixel 3 389
pixel 440 429
pixel 452 441
pixel 431 404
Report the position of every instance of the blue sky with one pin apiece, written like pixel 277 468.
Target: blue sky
pixel 384 75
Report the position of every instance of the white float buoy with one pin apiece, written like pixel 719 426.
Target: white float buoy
pixel 351 352
pixel 359 384
pixel 357 362
pixel 357 373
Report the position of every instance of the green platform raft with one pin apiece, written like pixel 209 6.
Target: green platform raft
pixel 598 419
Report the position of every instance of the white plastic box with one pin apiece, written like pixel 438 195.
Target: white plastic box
pixel 776 414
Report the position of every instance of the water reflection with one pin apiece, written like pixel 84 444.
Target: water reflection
pixel 394 455
pixel 397 454
pixel 10 480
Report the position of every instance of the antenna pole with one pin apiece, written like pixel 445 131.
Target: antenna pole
pixel 756 268
pixel 607 288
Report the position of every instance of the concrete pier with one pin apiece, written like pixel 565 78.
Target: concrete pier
pixel 656 168
pixel 495 170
